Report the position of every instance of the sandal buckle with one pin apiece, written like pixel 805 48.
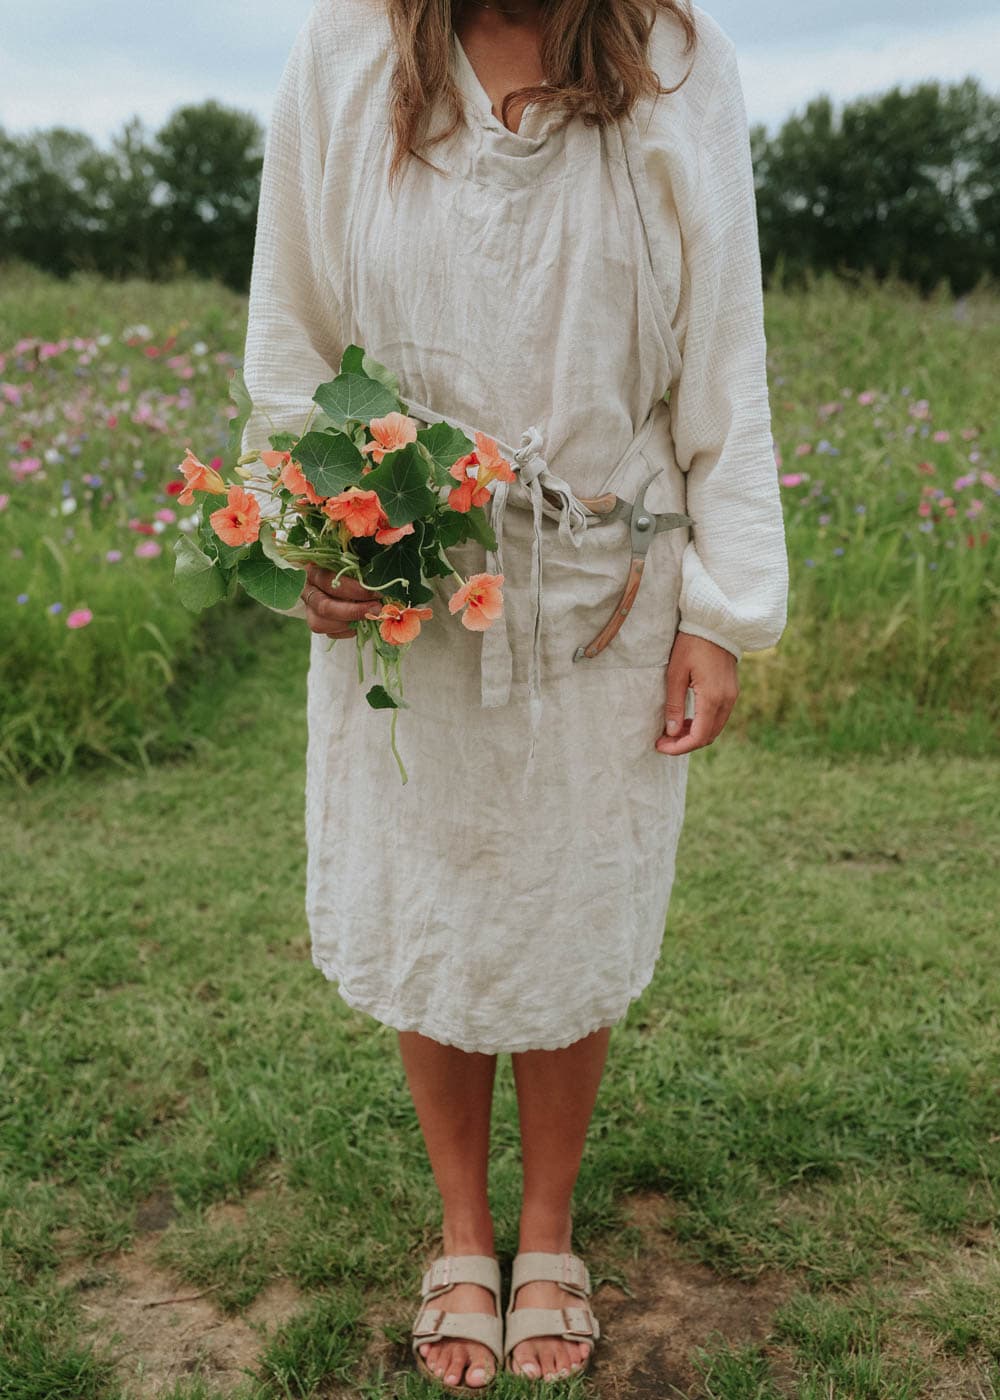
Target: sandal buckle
pixel 440 1273
pixel 429 1321
pixel 575 1274
pixel 577 1321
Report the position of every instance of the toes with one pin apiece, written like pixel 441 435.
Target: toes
pixel 480 1370
pixel 439 1358
pixel 454 1363
pixel 528 1361
pixel 548 1357
pixel 561 1359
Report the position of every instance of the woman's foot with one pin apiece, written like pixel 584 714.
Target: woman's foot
pixel 548 1358
pixel 456 1361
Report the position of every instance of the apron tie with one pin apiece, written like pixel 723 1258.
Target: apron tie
pixel 496 661
pixel 533 473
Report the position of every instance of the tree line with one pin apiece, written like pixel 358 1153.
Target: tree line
pixel 902 184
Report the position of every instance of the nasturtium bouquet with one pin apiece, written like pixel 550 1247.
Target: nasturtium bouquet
pixel 364 491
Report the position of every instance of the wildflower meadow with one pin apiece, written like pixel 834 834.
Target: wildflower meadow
pixel 886 440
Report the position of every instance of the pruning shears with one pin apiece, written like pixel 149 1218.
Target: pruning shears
pixel 644 524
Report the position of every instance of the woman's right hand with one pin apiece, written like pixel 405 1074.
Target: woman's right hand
pixel 330 608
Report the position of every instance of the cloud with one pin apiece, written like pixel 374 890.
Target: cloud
pixel 780 78
pixel 93 67
pixel 68 95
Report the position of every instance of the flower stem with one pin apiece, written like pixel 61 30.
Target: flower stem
pixel 392 740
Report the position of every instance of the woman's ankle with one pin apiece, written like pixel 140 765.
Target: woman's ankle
pixel 545 1231
pixel 468 1234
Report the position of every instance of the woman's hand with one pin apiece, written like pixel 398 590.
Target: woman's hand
pixel 330 608
pixel 710 671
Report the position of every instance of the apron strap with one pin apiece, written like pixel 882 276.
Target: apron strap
pixel 533 476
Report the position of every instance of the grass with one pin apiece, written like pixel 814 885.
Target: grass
pixel 798 1123
pixel 809 1085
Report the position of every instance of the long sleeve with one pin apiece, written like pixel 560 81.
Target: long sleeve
pixel 293 320
pixel 734 588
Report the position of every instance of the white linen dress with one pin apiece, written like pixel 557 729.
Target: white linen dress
pixel 551 287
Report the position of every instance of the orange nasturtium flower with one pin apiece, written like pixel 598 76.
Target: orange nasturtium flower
pixel 294 478
pixel 399 625
pixel 482 599
pixel 391 433
pixel 238 521
pixel 361 511
pixel 389 534
pixel 490 466
pixel 199 478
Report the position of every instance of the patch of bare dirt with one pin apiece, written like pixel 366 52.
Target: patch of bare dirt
pixel 160 1330
pixel 676 1305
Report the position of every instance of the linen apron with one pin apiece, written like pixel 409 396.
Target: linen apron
pixel 513 894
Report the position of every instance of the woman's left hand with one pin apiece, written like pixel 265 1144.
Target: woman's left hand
pixel 710 671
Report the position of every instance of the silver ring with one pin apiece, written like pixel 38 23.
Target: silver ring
pixel 309 594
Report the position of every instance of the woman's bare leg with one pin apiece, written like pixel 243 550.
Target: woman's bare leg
pixel 452 1093
pixel 556 1093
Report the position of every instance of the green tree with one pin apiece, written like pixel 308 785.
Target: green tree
pixel 898 185
pixel 208 160
pixel 129 241
pixel 48 218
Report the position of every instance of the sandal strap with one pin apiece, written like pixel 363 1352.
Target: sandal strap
pixel 450 1269
pixel 569 1270
pixel 432 1324
pixel 573 1324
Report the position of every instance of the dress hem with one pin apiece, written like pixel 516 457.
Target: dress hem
pixel 390 1017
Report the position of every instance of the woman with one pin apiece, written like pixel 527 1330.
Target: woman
pixel 568 260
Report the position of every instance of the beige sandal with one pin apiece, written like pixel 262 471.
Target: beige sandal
pixel 433 1324
pixel 573 1324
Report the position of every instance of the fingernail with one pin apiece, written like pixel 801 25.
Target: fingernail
pixel 672 726
pixel 477 1374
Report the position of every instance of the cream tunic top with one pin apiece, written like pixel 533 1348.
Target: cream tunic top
pixel 592 299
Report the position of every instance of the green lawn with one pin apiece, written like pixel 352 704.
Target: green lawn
pixel 790 1186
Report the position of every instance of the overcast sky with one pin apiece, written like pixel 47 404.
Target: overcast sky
pixel 93 65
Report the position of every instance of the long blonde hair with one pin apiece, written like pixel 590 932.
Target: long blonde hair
pixel 593 52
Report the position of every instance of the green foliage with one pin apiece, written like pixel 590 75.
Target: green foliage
pixel 400 480
pixel 329 460
pixel 380 699
pixel 200 581
pixel 401 561
pixel 240 395
pixel 444 445
pixel 269 583
pixel 355 398
pixel 180 201
pixel 900 184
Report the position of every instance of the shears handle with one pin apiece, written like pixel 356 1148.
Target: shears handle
pixel 600 505
pixel 620 613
